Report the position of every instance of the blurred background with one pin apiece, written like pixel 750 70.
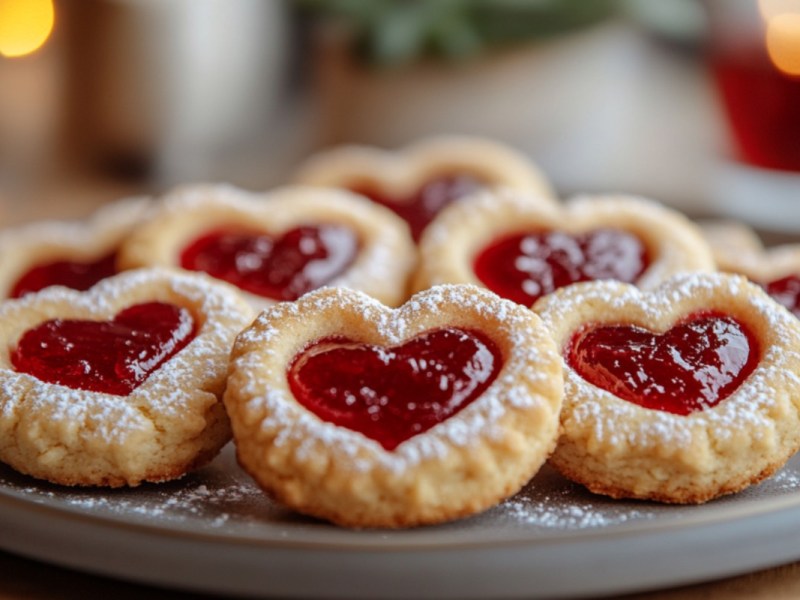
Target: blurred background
pixel 695 103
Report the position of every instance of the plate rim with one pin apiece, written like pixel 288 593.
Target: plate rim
pixel 419 538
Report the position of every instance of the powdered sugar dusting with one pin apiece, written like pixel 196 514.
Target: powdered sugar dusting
pixel 210 504
pixel 386 251
pixel 112 220
pixel 291 422
pixel 66 421
pixel 550 512
pixel 223 499
pixel 786 480
pixel 462 229
pixel 480 209
pixel 753 405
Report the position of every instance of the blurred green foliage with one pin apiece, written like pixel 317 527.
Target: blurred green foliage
pixel 390 32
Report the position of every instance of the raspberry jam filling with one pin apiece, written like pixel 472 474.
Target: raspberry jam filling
pixel 283 268
pixel 526 266
pixel 391 394
pixel 693 366
pixel 72 274
pixel 113 357
pixel 420 208
pixel 787 292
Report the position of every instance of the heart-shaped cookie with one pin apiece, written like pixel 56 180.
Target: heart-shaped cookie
pixel 419 180
pixel 72 254
pixel 369 416
pixel 680 394
pixel 738 249
pixel 119 384
pixel 522 250
pixel 277 246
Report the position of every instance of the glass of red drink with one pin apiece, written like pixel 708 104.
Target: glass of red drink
pixel 754 54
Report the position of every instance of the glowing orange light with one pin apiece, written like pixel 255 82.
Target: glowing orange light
pixel 783 42
pixel 24 25
pixel 774 8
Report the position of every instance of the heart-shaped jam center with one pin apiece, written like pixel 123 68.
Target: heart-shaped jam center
pixel 694 366
pixel 71 274
pixel 526 266
pixel 284 268
pixel 787 292
pixel 113 357
pixel 423 205
pixel 390 394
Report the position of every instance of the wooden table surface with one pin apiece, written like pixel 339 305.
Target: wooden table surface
pixel 24 579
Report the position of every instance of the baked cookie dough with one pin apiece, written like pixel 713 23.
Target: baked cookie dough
pixel 418 180
pixel 120 384
pixel 280 245
pixel 367 416
pixel 728 239
pixel 681 394
pixel 523 250
pixel 76 254
pixel 738 249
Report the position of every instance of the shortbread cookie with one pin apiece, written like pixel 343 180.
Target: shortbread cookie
pixel 523 250
pixel 75 254
pixel 679 395
pixel 738 249
pixel 280 245
pixel 728 239
pixel 119 384
pixel 420 179
pixel 367 416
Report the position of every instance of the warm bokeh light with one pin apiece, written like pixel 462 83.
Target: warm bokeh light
pixel 24 25
pixel 774 8
pixel 783 42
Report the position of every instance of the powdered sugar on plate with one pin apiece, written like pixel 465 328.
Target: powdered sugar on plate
pixel 550 513
pixel 221 498
pixel 214 497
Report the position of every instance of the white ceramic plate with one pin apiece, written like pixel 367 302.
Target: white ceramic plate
pixel 216 532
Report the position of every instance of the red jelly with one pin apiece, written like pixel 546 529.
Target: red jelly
pixel 525 266
pixel 113 357
pixel 787 292
pixel 693 366
pixel 285 268
pixel 391 394
pixel 420 209
pixel 71 274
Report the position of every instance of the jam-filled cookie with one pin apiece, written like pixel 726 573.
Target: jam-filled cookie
pixel 280 245
pixel 419 180
pixel 72 254
pixel 681 394
pixel 120 384
pixel 524 250
pixel 375 417
pixel 738 249
pixel 729 238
